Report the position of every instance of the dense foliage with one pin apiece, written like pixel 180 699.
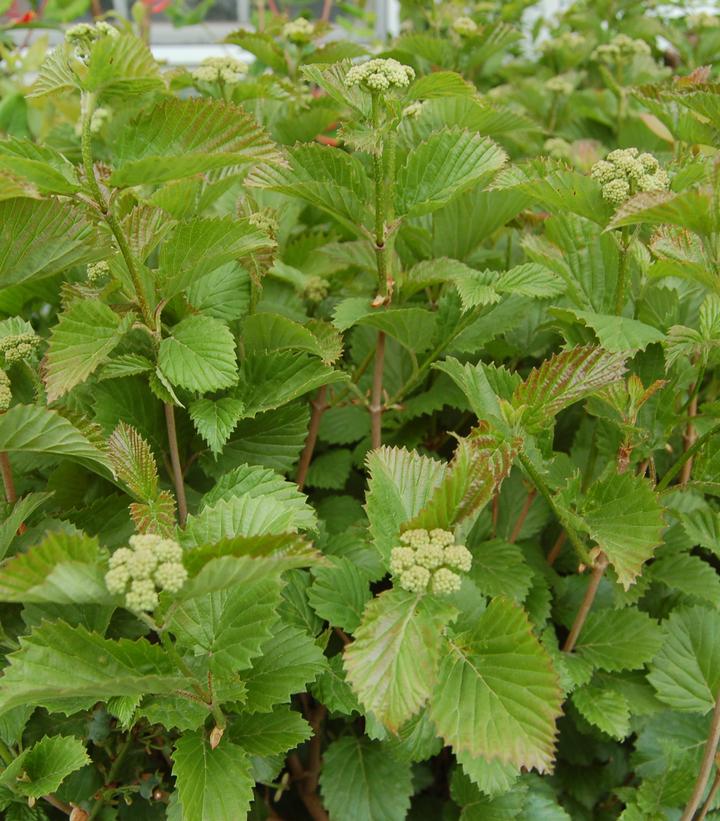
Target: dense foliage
pixel 358 422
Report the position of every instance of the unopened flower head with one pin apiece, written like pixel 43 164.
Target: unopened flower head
pixel 226 70
pixel 18 347
pixel 316 289
pixel 568 40
pixel 413 110
pixel 621 47
pixel 149 564
pixel 625 172
pixel 380 75
pixel 465 26
pixel 265 222
pixel 562 85
pixel 429 560
pixel 299 31
pixel 82 36
pixel 5 392
pixel 97 271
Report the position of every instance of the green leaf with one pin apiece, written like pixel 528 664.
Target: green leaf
pixel 258 481
pixel 273 439
pixel 215 785
pixel 289 661
pixel 42 238
pixel 566 378
pixel 616 640
pixel 622 514
pixel 690 209
pixel 333 690
pixel 200 355
pixel 499 569
pixel 227 627
pixel 272 332
pixel 479 465
pixel 615 333
pixel 245 515
pixel 118 66
pixel 392 664
pixel 491 776
pixel 133 462
pixel 446 164
pixel 40 769
pixel 400 485
pixel 562 190
pixel 267 381
pixel 330 470
pixel 270 733
pixel 606 709
pixel 359 773
pixel 178 138
pixel 500 696
pixel 197 247
pixel 339 594
pixel 21 511
pixel 413 328
pixel 328 178
pixel 40 165
pixel 216 419
pixel 80 342
pixel 690 574
pixel 67 668
pixel 34 429
pixel 479 807
pixel 686 670
pixel 64 568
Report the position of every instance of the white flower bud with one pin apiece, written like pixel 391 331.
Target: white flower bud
pixel 415 580
pixel 465 26
pixel 141 595
pixel 444 582
pixel 429 555
pixel 298 31
pixel 170 576
pixel 5 392
pixel 458 557
pixel 380 75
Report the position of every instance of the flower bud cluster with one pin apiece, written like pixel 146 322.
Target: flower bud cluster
pixel 413 110
pixel 702 20
pixel 17 347
pixel 5 392
pixel 316 289
pixel 568 40
pixel 380 75
pixel 429 559
pixel 465 26
pixel 625 172
pixel 97 271
pixel 299 31
pixel 621 47
pixel 225 70
pixel 151 563
pixel 264 221
pixel 563 84
pixel 83 35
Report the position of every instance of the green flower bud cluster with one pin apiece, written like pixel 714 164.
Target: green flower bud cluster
pixel 429 559
pixel 83 35
pixel 151 563
pixel 380 75
pixel 316 289
pixel 264 222
pixel 5 392
pixel 621 47
pixel 225 70
pixel 98 119
pixel 299 31
pixel 97 271
pixel 562 84
pixel 413 110
pixel 465 26
pixel 625 172
pixel 17 347
pixel 568 40
pixel 702 20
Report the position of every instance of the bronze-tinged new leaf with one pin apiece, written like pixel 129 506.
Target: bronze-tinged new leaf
pixel 565 378
pixel 133 462
pixel 156 515
pixel 480 464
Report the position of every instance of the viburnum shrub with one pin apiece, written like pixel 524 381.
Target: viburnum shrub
pixel 359 422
